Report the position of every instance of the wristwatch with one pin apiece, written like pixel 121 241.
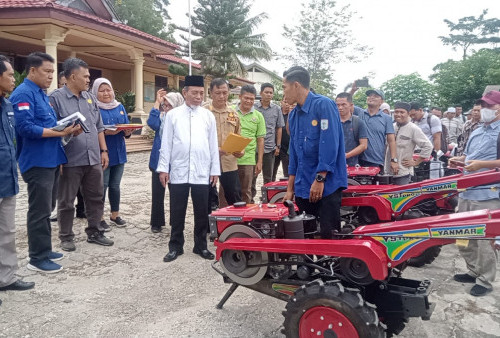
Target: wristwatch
pixel 394 160
pixel 320 178
pixel 104 151
pixel 278 146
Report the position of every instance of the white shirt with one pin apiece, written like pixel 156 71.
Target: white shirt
pixel 189 149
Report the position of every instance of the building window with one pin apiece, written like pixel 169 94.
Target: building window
pixel 160 82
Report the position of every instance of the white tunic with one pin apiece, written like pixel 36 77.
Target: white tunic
pixel 189 149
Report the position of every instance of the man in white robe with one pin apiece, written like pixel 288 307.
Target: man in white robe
pixel 189 160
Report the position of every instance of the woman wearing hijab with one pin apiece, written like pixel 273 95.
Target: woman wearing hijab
pixel 164 103
pixel 112 112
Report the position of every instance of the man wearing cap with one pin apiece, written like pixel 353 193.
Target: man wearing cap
pixel 481 153
pixel 386 108
pixel 317 172
pixel 408 137
pixel 189 161
pixel 428 123
pixel 453 125
pixel 380 130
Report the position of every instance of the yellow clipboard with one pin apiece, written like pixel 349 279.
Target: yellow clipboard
pixel 235 143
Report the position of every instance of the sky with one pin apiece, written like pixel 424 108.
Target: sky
pixel 403 34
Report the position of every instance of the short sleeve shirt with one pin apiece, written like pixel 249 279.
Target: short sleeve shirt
pixel 378 127
pixel 482 145
pixel 274 119
pixel 350 141
pixel 83 149
pixel 253 126
pixel 227 122
pixel 429 126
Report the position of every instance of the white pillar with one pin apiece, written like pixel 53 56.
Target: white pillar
pixel 139 90
pixel 53 36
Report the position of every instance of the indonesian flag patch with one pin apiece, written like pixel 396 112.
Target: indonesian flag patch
pixel 23 106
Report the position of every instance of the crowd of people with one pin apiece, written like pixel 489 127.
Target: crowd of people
pixel 313 137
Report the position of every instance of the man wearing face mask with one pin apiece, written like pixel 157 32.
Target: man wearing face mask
pixel 481 153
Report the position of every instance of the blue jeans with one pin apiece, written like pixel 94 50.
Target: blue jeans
pixel 112 178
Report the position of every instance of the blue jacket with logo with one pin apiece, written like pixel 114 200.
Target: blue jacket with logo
pixel 8 165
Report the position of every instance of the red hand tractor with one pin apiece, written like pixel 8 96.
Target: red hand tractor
pixel 350 286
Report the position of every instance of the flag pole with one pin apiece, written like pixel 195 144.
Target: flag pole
pixel 190 60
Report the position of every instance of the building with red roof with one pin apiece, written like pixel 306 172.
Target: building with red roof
pixel 90 29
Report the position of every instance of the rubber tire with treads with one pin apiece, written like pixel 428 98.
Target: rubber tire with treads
pixel 427 257
pixel 342 302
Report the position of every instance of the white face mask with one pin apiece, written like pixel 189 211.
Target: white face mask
pixel 488 115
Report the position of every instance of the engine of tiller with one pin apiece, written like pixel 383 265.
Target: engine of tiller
pixel 343 281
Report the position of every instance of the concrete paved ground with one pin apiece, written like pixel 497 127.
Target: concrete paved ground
pixel 127 290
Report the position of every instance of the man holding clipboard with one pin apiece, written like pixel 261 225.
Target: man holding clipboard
pixel 227 122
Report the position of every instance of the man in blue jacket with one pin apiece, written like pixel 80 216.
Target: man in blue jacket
pixel 317 172
pixel 39 153
pixel 9 187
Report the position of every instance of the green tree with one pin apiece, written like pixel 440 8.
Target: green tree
pixel 322 39
pixel 224 35
pixel 462 82
pixel 469 31
pixel 149 16
pixel 409 88
pixel 359 97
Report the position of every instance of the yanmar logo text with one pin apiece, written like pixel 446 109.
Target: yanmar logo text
pixel 477 230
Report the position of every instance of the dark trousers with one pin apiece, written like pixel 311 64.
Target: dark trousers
pixel 284 159
pixel 112 178
pixel 89 179
pixel 41 186
pixel 179 194
pixel 326 209
pixel 80 206
pixel 157 201
pixel 364 163
pixel 267 171
pixel 230 182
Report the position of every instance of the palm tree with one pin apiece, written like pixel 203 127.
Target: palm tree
pixel 223 36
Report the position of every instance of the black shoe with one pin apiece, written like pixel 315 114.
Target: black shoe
pixel 18 285
pixel 479 290
pixel 155 230
pixel 100 239
pixel 103 226
pixel 81 214
pixel 172 255
pixel 464 278
pixel 118 221
pixel 204 254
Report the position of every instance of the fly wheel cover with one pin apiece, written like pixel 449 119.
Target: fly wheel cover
pixel 278 198
pixel 235 263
